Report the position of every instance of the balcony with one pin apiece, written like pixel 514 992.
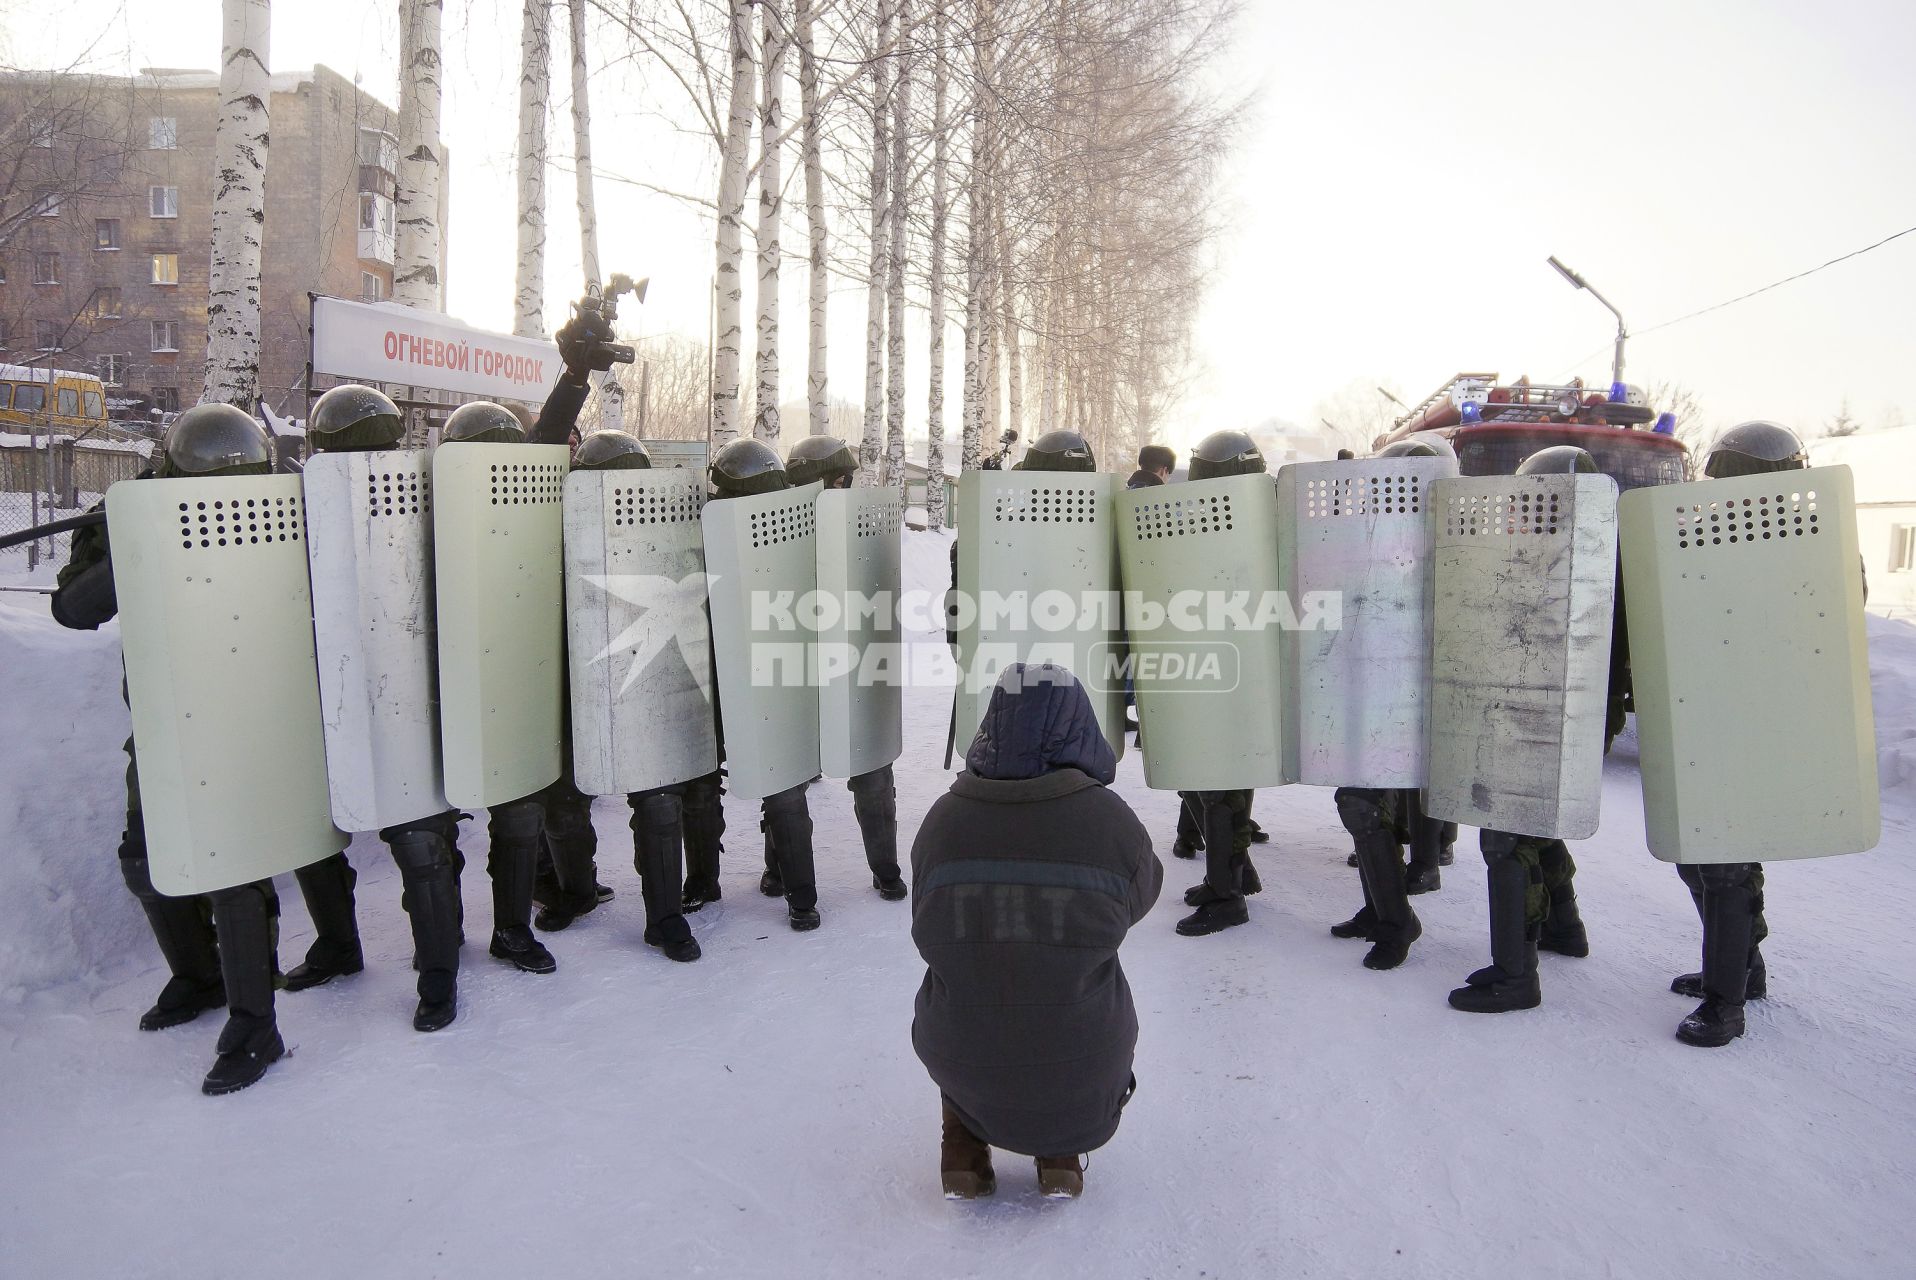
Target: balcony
pixel 377 229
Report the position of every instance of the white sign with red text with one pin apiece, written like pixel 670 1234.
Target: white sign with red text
pixel 386 342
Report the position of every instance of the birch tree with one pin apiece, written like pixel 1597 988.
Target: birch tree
pixel 535 92
pixel 940 197
pixel 818 280
pixel 416 254
pixel 894 472
pixel 610 391
pixel 773 42
pixel 239 206
pixel 729 297
pixel 876 265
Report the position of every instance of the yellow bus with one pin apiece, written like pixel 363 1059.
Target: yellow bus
pixel 51 399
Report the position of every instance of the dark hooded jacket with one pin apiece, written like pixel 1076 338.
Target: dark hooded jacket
pixel 1027 875
pixel 1142 479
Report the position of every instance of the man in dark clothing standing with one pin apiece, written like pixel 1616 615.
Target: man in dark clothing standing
pixel 1156 462
pixel 1029 872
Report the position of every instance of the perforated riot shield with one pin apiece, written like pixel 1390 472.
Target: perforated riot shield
pixel 1202 617
pixel 216 623
pixel 1750 667
pixel 761 553
pixel 369 546
pixel 1038 582
pixel 859 658
pixel 1355 558
pixel 639 645
pixel 496 538
pixel 1524 581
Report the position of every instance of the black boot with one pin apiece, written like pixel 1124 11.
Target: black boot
pixel 1426 845
pixel 327 887
pixel 770 882
pixel 185 936
pixel 1728 919
pixel 875 805
pixel 574 862
pixel 1510 982
pixel 425 864
pixel 250 1042
pixel 1563 930
pixel 656 820
pixel 1190 837
pixel 1362 925
pixel 1221 898
pixel 704 826
pixel 789 824
pixel 1395 926
pixel 512 864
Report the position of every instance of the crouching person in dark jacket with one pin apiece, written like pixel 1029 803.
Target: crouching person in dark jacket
pixel 1027 874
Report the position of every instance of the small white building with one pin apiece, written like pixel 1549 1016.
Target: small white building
pixel 1884 463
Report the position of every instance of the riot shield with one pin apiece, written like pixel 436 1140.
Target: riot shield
pixel 860 683
pixel 1038 582
pixel 369 546
pixel 1200 569
pixel 761 553
pixel 1751 667
pixel 496 547
pixel 638 641
pixel 1524 580
pixel 216 623
pixel 1354 554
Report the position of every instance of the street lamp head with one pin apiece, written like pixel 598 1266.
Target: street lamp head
pixel 1575 280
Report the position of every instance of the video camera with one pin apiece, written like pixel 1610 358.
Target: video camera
pixel 599 310
pixel 995 461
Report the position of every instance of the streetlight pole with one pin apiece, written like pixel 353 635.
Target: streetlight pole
pixel 1577 281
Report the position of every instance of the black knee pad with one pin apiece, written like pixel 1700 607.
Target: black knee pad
pixel 1363 811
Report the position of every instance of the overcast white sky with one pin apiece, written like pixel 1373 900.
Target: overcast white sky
pixel 1409 167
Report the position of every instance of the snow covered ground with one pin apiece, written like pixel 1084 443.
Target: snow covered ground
pixel 760 1113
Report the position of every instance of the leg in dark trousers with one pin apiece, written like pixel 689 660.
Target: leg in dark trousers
pixel 1367 815
pixel 573 845
pixel 1227 859
pixel 875 805
pixel 657 820
pixel 249 1043
pixel 184 929
pixel 512 863
pixel 327 887
pixel 423 852
pixel 704 823
pixel 788 821
pixel 1756 985
pixel 1563 930
pixel 1517 909
pixel 1190 836
pixel 1731 908
pixel 1427 845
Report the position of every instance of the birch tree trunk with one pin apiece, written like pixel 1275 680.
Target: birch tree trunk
pixel 977 220
pixel 940 195
pixel 818 404
pixel 1014 357
pixel 876 266
pixel 894 472
pixel 729 297
pixel 416 280
pixel 774 41
pixel 610 392
pixel 239 207
pixel 535 92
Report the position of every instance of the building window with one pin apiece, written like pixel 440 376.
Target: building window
pixel 5 337
pixel 1902 548
pixel 163 133
pixel 46 268
pixel 3 270
pixel 163 202
pixel 112 370
pixel 41 131
pixel 376 213
pixel 106 233
pixel 46 334
pixel 106 304
pixel 47 204
pixel 166 399
pixel 166 268
pixel 166 334
pixel 370 287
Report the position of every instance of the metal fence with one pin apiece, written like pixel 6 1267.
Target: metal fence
pixel 46 477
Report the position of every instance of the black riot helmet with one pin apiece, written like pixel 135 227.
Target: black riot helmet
pixel 1751 448
pixel 1419 446
pixel 824 458
pixel 611 451
pixel 1225 453
pixel 215 440
pixel 483 422
pixel 1058 451
pixel 1559 460
pixel 354 417
pixel 745 467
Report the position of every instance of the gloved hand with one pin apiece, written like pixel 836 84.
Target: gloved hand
pixel 583 344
